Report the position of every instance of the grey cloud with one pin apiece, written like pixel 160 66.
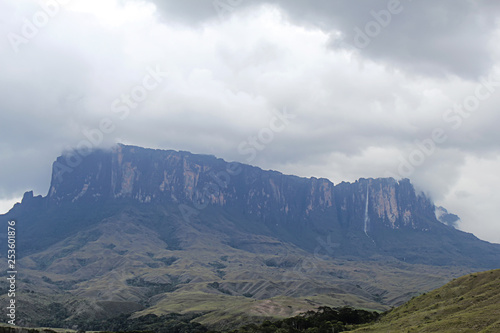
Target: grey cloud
pixel 193 11
pixel 447 37
pixel 357 114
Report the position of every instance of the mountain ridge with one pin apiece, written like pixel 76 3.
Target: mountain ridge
pixel 154 232
pixel 358 216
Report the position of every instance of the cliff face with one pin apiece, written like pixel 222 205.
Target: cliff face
pixel 384 203
pixel 155 176
pixel 364 219
pixel 122 228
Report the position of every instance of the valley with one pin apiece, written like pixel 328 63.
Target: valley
pixel 112 238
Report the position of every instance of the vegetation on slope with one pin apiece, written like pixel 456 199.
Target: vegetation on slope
pixel 325 320
pixel 467 304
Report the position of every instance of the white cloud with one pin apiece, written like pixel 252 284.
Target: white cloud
pixel 7 204
pixel 475 197
pixel 357 113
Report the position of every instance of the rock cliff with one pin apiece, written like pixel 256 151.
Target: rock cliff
pixel 364 219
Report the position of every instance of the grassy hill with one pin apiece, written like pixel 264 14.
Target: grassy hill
pixel 467 304
pixel 143 232
pixel 123 265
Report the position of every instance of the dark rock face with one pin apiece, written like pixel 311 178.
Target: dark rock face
pixel 154 176
pixel 363 219
pixel 383 203
pixel 444 217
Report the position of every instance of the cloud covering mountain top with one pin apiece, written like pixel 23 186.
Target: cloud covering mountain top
pixel 371 89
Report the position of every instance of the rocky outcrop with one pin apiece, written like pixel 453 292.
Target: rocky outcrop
pixel 112 234
pixel 449 219
pixel 156 176
pixel 367 218
pixel 390 204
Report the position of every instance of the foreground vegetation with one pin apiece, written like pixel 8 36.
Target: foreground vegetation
pixel 325 320
pixel 467 304
pixel 170 323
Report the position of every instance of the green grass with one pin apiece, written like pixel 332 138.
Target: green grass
pixel 257 276
pixel 467 304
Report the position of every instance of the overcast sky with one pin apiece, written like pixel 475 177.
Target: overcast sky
pixel 323 88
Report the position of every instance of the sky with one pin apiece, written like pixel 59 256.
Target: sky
pixel 321 88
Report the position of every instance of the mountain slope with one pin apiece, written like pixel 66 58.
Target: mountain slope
pixel 363 219
pixel 124 264
pixel 467 304
pixel 140 231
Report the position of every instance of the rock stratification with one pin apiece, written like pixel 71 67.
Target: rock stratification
pixel 156 176
pixel 364 219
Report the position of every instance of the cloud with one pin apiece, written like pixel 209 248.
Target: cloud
pixel 411 35
pixel 87 78
pixel 474 197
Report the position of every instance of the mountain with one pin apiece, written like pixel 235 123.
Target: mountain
pixel 447 218
pixel 467 304
pixel 143 231
pixel 363 219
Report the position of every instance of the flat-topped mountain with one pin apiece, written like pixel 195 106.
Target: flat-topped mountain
pixel 135 230
pixel 362 219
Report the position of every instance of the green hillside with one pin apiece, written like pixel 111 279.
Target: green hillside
pixel 467 304
pixel 123 265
